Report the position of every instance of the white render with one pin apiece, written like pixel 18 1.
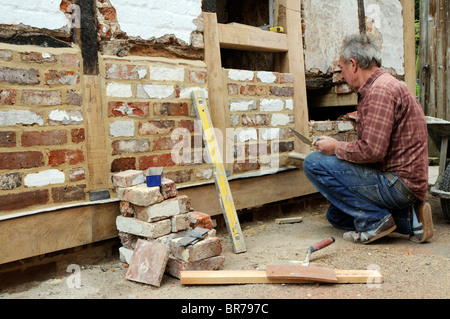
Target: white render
pixel 51 176
pixel 118 90
pixel 240 75
pixel 160 73
pixel 121 128
pixel 329 22
pixel 20 117
pixel 279 119
pixel 38 14
pixel 155 91
pixel 153 19
pixel 271 104
pixel 266 77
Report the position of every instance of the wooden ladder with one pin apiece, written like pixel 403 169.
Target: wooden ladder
pixel 289 49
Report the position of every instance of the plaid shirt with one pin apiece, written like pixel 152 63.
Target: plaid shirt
pixel 392 132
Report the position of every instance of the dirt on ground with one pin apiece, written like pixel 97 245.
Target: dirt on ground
pixel 409 270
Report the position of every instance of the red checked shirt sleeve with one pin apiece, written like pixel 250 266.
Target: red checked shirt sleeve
pixel 374 128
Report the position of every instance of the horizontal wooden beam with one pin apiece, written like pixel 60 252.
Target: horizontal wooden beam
pixel 43 233
pixel 251 192
pixel 40 233
pixel 228 277
pixel 329 98
pixel 251 39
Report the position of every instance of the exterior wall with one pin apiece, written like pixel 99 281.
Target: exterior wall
pixel 260 112
pixel 150 116
pixel 42 133
pixel 327 23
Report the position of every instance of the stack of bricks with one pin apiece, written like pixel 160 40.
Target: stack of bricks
pixel 163 217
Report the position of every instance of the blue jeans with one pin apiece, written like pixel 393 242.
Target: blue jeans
pixel 360 196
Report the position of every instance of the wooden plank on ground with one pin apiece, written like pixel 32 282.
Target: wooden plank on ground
pixel 289 220
pixel 309 273
pixel 229 277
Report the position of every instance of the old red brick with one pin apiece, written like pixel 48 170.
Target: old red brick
pixel 125 72
pixel 68 193
pixel 123 164
pixel 130 146
pixel 77 174
pixel 197 76
pixel 140 109
pixel 187 124
pixel 166 143
pixel 37 57
pixel 70 59
pixel 126 209
pixel 148 262
pixel 175 266
pixel 244 167
pixel 168 188
pixel 8 96
pixel 254 119
pixel 19 76
pixel 156 127
pixel 233 88
pixel 74 97
pixel 286 78
pixel 34 138
pixel 59 77
pixel 43 97
pixel 173 109
pixel 253 90
pixel 108 13
pixel 23 200
pixel 72 157
pixel 8 139
pixel 18 160
pixel 199 219
pixel 78 135
pixel 158 160
pixel 281 91
pixel 181 176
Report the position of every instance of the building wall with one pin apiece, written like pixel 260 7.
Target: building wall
pixel 42 132
pixel 146 104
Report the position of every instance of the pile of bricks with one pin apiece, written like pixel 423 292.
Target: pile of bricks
pixel 154 225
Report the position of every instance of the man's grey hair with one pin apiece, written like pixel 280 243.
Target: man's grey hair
pixel 363 49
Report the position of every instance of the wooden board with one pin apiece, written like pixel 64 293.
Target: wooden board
pixel 242 38
pixel 309 273
pixel 98 174
pixel 293 62
pixel 228 277
pixel 289 220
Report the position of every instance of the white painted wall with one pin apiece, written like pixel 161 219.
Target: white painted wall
pixel 34 13
pixel 154 18
pixel 329 22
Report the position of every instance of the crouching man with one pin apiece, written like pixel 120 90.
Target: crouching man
pixel 378 183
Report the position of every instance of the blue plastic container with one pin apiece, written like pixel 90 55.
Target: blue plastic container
pixel 153 180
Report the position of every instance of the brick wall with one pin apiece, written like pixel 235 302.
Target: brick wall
pixel 150 116
pixel 260 111
pixel 149 120
pixel 42 153
pixel 340 130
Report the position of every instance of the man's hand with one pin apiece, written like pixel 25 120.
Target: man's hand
pixel 326 145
